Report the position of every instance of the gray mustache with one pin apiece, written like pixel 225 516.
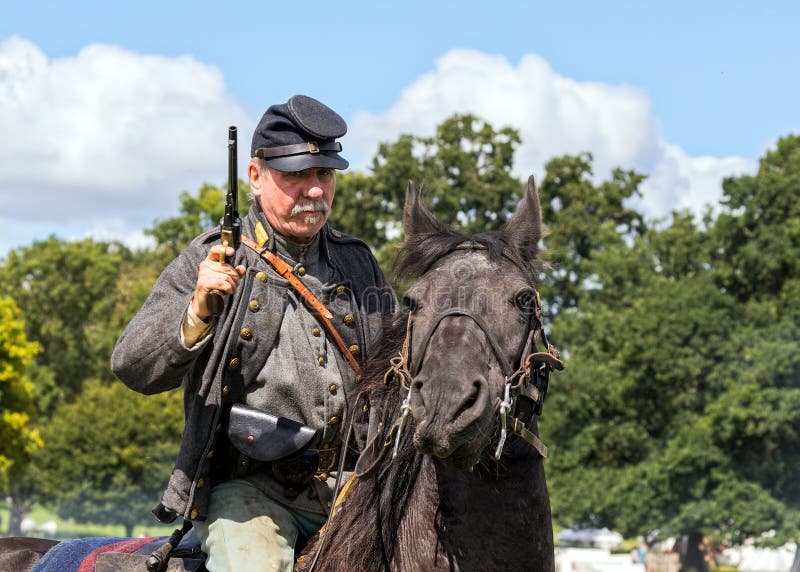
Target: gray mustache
pixel 316 205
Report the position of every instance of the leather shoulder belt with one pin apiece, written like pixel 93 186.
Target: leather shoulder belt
pixel 312 302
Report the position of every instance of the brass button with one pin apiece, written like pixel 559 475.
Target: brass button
pixel 333 388
pixel 261 276
pixel 349 319
pixel 225 391
pixel 201 483
pixel 354 349
pixel 246 333
pixel 254 306
pixel 193 515
pixel 329 504
pixel 233 363
pixel 333 420
pixel 340 290
pixel 321 360
pixel 210 454
pixel 336 233
pixel 323 476
pixel 301 271
pixel 316 332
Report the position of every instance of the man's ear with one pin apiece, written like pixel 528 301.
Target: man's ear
pixel 255 177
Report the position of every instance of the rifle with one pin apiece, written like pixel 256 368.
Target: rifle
pixel 231 223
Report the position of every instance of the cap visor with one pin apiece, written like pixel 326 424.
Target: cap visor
pixel 308 161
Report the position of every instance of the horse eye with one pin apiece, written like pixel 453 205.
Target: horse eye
pixel 410 303
pixel 525 301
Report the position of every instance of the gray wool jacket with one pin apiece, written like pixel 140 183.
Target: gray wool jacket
pixel 149 356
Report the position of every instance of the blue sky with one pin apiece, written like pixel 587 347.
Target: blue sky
pixel 684 91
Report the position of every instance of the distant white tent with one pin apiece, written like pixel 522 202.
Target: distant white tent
pixel 767 559
pixel 590 537
pixel 593 560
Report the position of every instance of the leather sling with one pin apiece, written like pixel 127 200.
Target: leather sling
pixel 318 308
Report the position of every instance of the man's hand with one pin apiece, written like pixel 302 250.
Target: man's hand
pixel 214 275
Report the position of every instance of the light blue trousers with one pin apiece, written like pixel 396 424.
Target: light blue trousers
pixel 246 530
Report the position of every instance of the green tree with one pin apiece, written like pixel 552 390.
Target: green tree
pixel 679 408
pixel 758 233
pixel 17 438
pixel 109 455
pixel 66 293
pixel 197 214
pixel 583 219
pixel 464 170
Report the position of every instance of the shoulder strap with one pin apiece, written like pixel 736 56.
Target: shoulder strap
pixel 318 308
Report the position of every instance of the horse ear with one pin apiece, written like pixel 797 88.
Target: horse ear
pixel 524 230
pixel 418 220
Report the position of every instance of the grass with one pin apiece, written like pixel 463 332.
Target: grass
pixel 70 529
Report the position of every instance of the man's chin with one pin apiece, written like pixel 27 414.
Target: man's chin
pixel 307 227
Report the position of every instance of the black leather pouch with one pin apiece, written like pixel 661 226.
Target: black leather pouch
pixel 265 437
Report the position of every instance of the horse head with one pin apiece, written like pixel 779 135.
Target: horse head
pixel 474 317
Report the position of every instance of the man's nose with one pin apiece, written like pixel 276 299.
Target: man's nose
pixel 314 191
pixel 314 187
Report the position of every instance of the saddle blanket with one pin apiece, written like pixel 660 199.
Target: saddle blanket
pixel 111 553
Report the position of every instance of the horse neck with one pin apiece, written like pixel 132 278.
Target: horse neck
pixel 494 514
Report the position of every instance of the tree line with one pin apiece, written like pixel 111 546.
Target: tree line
pixel 679 409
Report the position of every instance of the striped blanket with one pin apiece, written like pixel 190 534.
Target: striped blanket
pixel 81 555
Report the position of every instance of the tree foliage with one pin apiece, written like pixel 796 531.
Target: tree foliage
pixel 197 214
pixel 583 220
pixel 464 171
pixel 679 410
pixel 17 438
pixel 66 291
pixel 108 456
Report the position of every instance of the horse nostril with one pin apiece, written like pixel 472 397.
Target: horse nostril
pixel 471 400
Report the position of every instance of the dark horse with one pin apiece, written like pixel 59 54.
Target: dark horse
pixel 465 359
pixel 452 476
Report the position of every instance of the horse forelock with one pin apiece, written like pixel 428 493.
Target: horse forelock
pixel 420 252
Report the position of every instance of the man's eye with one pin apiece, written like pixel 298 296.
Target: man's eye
pixel 326 172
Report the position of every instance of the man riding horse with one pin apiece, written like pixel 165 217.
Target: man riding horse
pixel 272 371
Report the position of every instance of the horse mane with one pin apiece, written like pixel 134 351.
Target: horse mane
pixel 367 522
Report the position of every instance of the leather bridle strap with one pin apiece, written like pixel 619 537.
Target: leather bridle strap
pixel 318 308
pixel 520 429
pixel 504 364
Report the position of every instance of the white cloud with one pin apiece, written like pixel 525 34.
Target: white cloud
pixel 101 143
pixel 105 132
pixel 555 115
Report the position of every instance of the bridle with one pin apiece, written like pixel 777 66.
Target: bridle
pixel 525 386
